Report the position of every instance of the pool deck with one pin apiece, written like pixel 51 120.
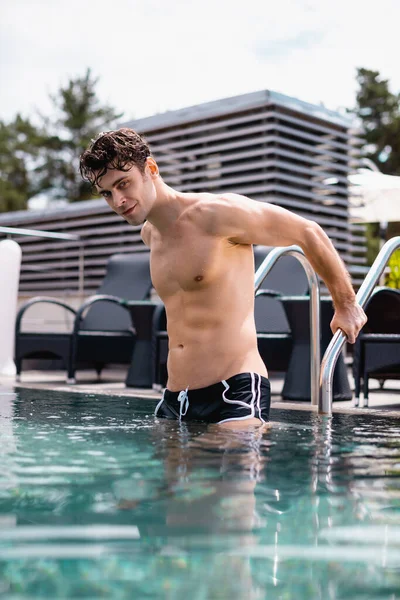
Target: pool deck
pixel 385 402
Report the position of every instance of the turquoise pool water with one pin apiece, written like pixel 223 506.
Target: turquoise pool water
pixel 98 500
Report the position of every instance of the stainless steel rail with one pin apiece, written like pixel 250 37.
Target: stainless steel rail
pixel 40 233
pixel 315 351
pixel 336 344
pixel 9 231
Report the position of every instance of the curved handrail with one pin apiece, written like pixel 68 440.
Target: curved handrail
pixel 336 344
pixel 315 351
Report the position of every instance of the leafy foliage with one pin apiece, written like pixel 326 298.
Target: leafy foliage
pixel 40 158
pixel 393 277
pixel 19 146
pixel 379 111
pixel 78 118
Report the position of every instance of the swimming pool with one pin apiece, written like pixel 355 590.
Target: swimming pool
pixel 98 500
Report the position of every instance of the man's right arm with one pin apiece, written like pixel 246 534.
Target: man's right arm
pixel 247 221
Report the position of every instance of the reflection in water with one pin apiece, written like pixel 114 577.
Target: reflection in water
pixel 97 499
pixel 211 480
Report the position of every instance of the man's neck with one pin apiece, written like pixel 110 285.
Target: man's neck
pixel 167 208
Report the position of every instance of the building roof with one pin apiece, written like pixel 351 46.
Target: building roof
pixel 248 101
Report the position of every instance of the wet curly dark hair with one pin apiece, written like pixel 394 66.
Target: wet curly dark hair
pixel 120 149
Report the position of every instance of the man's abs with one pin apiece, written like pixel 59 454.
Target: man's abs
pixel 201 358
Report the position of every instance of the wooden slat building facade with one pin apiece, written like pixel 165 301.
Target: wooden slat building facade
pixel 265 145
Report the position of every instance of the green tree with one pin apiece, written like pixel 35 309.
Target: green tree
pixel 41 158
pixel 20 143
pixel 379 111
pixel 392 278
pixel 79 117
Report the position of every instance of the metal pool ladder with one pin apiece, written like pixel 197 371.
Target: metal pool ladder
pixel 335 346
pixel 322 377
pixel 261 273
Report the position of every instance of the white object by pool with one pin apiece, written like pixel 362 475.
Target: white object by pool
pixel 10 265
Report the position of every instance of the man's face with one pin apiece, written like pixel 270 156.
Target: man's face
pixel 130 194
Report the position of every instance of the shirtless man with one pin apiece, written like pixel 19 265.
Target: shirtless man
pixel 202 268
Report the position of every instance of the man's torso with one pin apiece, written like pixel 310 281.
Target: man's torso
pixel 207 285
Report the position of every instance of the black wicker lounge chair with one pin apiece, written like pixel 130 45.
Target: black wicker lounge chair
pixel 377 349
pixel 102 331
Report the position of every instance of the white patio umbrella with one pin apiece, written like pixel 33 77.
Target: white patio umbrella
pixel 374 197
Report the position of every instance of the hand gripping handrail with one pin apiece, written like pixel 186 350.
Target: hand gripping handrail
pixel 335 346
pixel 313 282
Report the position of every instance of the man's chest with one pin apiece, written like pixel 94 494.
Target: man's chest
pixel 185 263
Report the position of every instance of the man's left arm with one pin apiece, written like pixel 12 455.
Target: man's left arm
pixel 248 221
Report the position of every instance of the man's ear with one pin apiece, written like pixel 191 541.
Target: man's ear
pixel 152 166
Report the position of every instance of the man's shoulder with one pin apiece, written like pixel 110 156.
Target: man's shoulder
pixel 209 205
pixel 213 206
pixel 207 211
pixel 201 210
pixel 214 200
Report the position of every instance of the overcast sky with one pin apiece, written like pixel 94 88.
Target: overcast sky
pixel 154 55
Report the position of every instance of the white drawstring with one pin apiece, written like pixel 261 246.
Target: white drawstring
pixel 183 399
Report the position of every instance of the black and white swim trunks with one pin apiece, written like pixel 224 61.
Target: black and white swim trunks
pixel 238 398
